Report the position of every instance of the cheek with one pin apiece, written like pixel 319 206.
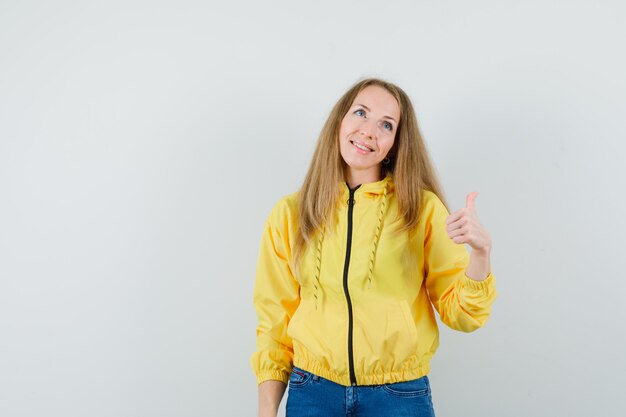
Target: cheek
pixel 347 126
pixel 342 131
pixel 387 145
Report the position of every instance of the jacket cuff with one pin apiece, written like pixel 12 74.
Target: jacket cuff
pixel 276 375
pixel 483 285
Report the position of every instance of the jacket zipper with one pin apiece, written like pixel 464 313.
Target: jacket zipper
pixel 345 286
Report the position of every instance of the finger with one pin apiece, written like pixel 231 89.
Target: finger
pixel 469 200
pixel 454 216
pixel 460 239
pixel 456 232
pixel 460 223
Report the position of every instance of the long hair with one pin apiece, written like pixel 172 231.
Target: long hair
pixel 409 165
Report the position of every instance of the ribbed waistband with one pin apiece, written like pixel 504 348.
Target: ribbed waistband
pixel 412 369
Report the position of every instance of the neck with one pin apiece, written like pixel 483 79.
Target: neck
pixel 355 177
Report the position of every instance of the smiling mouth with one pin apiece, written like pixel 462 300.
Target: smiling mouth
pixel 362 147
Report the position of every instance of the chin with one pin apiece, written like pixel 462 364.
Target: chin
pixel 360 166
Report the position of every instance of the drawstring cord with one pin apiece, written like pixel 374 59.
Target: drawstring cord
pixel 318 265
pixel 381 213
pixel 320 239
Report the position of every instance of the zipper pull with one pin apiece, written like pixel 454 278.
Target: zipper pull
pixel 351 198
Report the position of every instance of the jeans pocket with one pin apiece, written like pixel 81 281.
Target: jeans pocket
pixel 415 388
pixel 299 378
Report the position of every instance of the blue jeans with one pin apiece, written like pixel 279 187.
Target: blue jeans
pixel 311 395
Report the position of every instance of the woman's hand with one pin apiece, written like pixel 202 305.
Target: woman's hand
pixel 464 227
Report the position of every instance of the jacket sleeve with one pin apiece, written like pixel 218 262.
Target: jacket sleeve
pixel 462 303
pixel 276 297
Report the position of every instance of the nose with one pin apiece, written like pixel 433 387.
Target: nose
pixel 368 128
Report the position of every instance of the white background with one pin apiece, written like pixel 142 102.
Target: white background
pixel 142 145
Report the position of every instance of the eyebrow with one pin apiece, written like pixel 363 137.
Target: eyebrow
pixel 368 109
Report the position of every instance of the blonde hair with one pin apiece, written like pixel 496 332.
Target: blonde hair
pixel 409 165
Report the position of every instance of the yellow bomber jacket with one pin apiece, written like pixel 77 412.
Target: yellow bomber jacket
pixel 362 311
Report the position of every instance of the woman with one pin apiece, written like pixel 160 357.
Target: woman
pixel 351 266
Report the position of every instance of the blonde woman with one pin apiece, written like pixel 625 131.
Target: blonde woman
pixel 352 266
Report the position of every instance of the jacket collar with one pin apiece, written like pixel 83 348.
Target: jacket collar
pixel 371 188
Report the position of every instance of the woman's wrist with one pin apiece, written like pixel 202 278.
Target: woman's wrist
pixel 479 266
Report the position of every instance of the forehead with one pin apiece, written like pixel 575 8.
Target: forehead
pixel 378 100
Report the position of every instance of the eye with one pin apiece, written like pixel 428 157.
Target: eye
pixel 388 126
pixel 359 112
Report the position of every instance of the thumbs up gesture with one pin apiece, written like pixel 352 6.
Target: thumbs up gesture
pixel 463 227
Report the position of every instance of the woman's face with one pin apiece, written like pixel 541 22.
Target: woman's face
pixel 367 132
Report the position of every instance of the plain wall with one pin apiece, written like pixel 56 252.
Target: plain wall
pixel 143 143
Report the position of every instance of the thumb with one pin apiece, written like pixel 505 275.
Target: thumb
pixel 469 200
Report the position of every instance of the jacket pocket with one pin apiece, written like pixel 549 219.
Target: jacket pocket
pixel 410 323
pixel 385 335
